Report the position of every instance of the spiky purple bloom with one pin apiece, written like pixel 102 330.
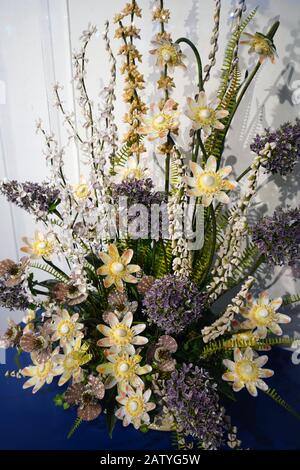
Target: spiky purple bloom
pixel 34 198
pixel 285 155
pixel 13 298
pixel 173 303
pixel 278 237
pixel 192 398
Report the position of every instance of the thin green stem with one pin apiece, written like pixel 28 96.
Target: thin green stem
pixel 198 59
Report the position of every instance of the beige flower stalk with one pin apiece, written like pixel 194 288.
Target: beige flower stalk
pixel 210 183
pixel 131 170
pixel 120 336
pixel 247 372
pixel 123 369
pixel 168 53
pixel 205 116
pixel 135 406
pixel 261 315
pixel 160 124
pixel 41 246
pixel 117 268
pixel 261 45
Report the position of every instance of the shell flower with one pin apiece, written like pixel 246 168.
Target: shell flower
pixel 168 53
pixel 205 116
pixel 246 371
pixel 12 335
pixel 261 45
pixel 69 364
pixel 131 170
pixel 87 397
pixel 119 304
pixel 41 246
pixel 65 328
pixel 120 336
pixel 210 183
pixel 135 406
pixel 12 272
pixel 159 124
pixel 116 268
pixel 82 190
pixel 40 373
pixel 261 315
pixel 123 369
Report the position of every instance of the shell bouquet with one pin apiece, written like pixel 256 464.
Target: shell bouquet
pixel 146 311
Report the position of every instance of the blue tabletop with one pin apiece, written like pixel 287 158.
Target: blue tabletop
pixel 33 422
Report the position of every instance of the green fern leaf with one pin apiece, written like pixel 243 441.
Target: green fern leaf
pixel 272 393
pixel 50 270
pixel 291 299
pixel 75 426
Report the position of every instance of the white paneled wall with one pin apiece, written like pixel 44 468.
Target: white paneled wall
pixel 36 41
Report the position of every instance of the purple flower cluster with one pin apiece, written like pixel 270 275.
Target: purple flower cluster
pixel 173 303
pixel 278 237
pixel 192 399
pixel 137 191
pixel 34 198
pixel 142 193
pixel 286 153
pixel 13 298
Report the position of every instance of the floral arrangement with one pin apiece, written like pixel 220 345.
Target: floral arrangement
pixel 131 318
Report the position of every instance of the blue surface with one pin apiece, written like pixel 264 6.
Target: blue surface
pixel 33 422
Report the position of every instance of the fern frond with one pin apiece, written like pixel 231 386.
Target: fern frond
pixel 214 143
pixel 121 156
pixel 57 222
pixel 246 261
pixel 226 344
pixel 163 258
pixel 75 426
pixel 291 299
pixel 50 270
pixel 272 393
pixel 229 54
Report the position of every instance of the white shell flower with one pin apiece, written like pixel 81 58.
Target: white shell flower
pixel 247 372
pixel 131 170
pixel 205 116
pixel 123 369
pixel 261 315
pixel 210 183
pixel 69 363
pixel 41 246
pixel 65 328
pixel 40 373
pixel 135 406
pixel 120 336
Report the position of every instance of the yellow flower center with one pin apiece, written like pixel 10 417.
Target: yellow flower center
pixel 133 173
pixel 262 315
pixel 169 54
pixel 117 267
pixel 43 370
pixel 247 370
pixel 121 334
pixel 71 362
pixel 134 406
pixel 209 182
pixel 42 248
pixel 124 367
pixel 82 191
pixel 205 116
pixel 161 122
pixel 65 328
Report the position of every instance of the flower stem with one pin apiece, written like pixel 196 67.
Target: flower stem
pixel 198 58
